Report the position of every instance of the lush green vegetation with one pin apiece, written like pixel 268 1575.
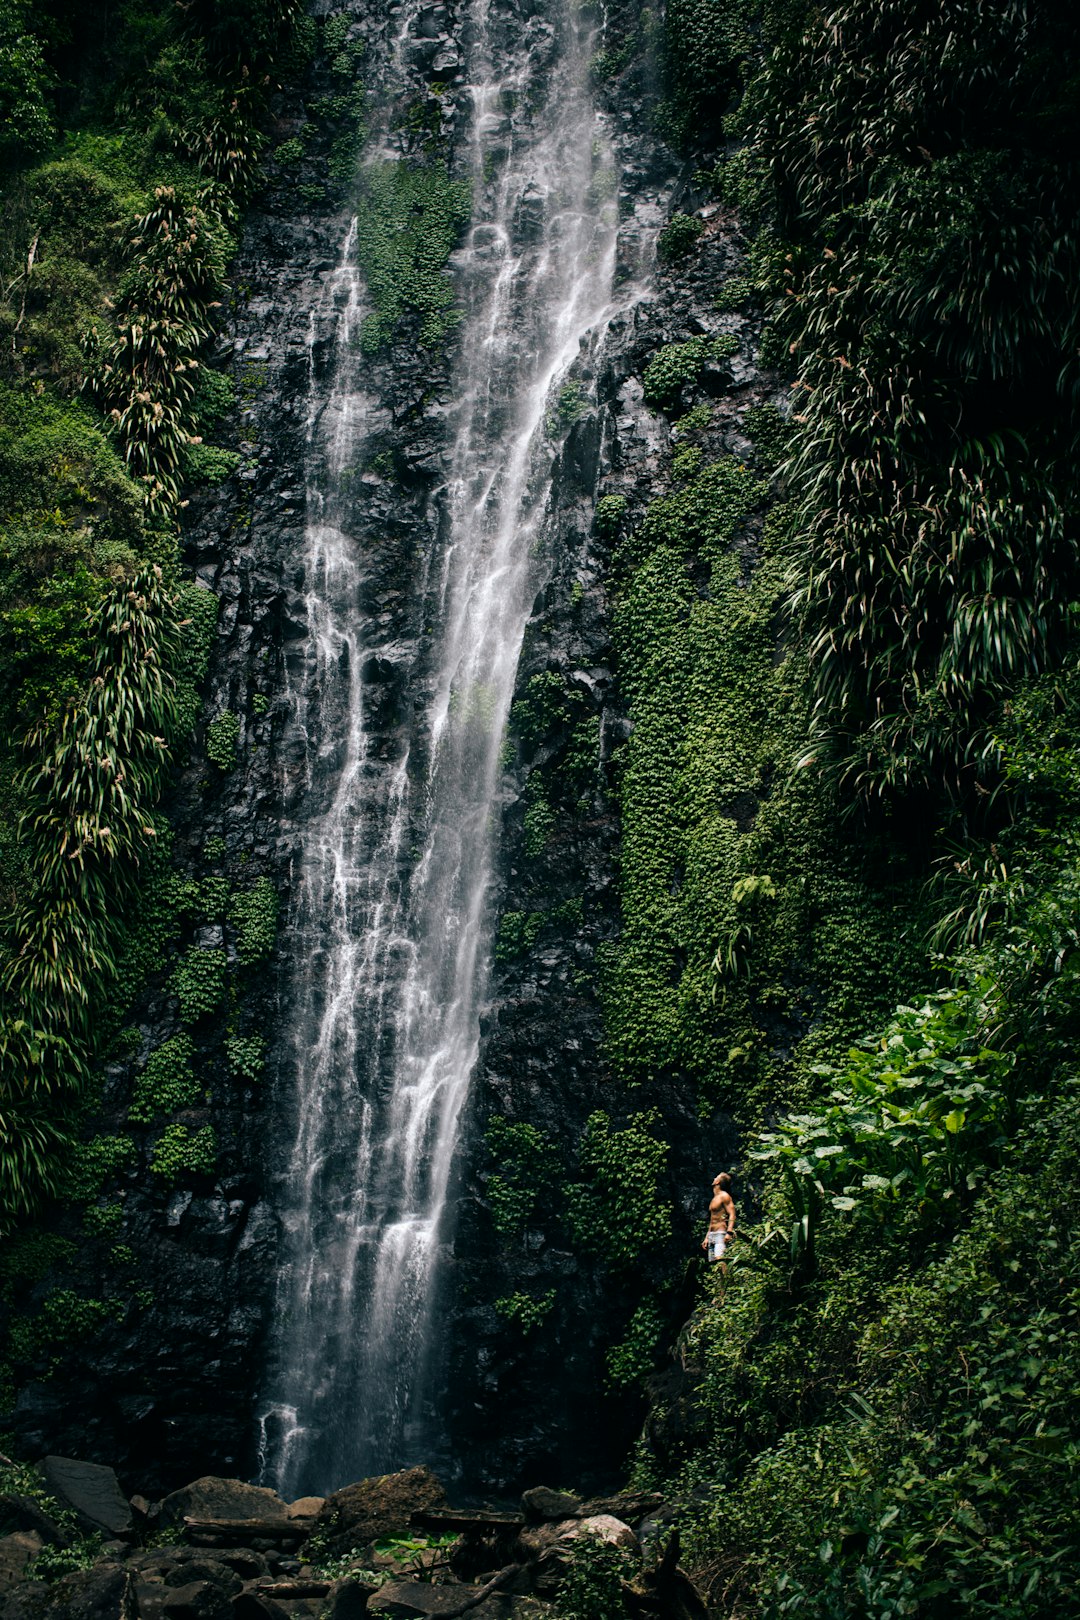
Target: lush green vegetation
pixel 408 221
pixel 127 151
pixel 849 799
pixel 129 138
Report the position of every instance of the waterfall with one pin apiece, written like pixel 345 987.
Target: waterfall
pixel 391 927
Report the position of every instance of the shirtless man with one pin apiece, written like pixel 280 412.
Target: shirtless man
pixel 721 1227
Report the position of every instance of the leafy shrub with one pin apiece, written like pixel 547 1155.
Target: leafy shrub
pixel 103 1220
pixel 143 375
pixel 616 1210
pixel 708 44
pixel 407 225
pixel 89 789
pixel 736 291
pixel 678 364
pixel 213 399
pixel 179 1152
pixel 936 569
pixel 53 1562
pixel 65 1318
pixel 89 1166
pixel 525 1311
pixel 592 1587
pixel 526 1166
pixel 246 1055
pixel 209 464
pixel 921 1111
pixel 678 238
pixel 632 1359
pixel 540 819
pixel 26 126
pixel 770 432
pixel 610 513
pixel 24 1479
pixel 254 914
pixel 572 403
pixel 518 932
pixel 543 706
pixel 167 1083
pixel 27 1258
pixel 938 1462
pixel 198 982
pixel 222 736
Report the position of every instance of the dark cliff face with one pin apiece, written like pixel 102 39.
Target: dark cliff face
pixel 171 1391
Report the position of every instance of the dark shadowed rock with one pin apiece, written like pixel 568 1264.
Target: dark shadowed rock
pixel 27 1600
pixel 23 1513
pixel 629 1506
pixel 417 1600
pixel 197 1600
pixel 215 1498
pixel 204 1569
pixel 375 1508
pixel 348 1599
pixel 92 1491
pixel 104 1592
pixel 543 1503
pixel 16 1551
pixel 400 1599
pixel 254 1606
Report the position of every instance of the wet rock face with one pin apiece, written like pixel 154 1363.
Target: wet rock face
pixel 521 1407
pixel 170 1391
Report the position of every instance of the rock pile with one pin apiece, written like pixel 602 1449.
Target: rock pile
pixel 390 1548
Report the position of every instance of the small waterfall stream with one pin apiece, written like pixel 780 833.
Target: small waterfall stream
pixel 392 924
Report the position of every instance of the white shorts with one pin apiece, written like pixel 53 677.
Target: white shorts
pixel 717 1245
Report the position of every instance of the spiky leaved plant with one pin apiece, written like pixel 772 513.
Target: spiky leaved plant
pixel 932 248
pixel 89 787
pixel 144 377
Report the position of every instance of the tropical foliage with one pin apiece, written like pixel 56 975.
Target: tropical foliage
pixel 885 1413
pixel 928 225
pixel 115 246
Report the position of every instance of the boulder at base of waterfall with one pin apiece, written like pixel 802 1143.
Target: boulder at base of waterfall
pixel 347 1600
pixel 552 1546
pixel 102 1592
pixel 23 1513
pixel 306 1507
pixel 420 1600
pixel 375 1508
pixel 197 1600
pixel 629 1506
pixel 542 1503
pixel 16 1552
pixel 214 1498
pixel 92 1491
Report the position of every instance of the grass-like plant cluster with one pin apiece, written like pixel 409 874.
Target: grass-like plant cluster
pixel 920 239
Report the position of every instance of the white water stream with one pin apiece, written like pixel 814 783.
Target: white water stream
pixel 392 927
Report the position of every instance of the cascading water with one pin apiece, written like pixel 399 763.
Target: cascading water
pixel 391 933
